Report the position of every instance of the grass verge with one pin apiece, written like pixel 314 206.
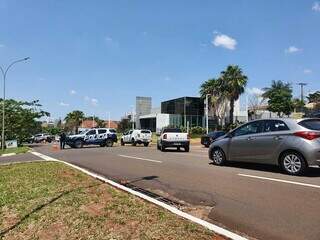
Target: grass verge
pixel 17 150
pixel 52 201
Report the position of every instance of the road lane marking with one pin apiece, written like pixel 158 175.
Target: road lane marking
pixel 174 210
pixel 280 180
pixel 143 159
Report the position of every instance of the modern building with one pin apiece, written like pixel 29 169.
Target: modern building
pixel 179 112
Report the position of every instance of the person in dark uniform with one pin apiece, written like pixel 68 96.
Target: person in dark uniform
pixel 62 140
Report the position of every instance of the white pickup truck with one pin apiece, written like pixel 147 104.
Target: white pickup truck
pixel 173 137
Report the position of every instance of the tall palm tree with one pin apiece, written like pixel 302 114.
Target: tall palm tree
pixel 73 119
pixel 233 84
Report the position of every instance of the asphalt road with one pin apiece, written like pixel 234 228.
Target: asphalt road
pixel 256 200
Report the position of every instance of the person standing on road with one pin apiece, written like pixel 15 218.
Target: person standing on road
pixel 62 140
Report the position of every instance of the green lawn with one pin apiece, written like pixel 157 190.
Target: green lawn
pixel 52 201
pixel 17 150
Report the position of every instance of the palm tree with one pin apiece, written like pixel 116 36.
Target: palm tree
pixel 233 84
pixel 73 119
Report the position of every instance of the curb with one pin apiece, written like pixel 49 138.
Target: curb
pixel 8 154
pixel 210 226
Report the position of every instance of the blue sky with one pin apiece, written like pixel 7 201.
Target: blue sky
pixel 97 56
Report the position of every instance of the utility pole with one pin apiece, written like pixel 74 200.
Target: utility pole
pixel 108 113
pixel 301 86
pixel 207 112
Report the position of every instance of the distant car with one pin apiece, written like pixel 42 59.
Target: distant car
pixel 207 139
pixel 41 137
pixel 294 145
pixel 173 137
pixel 105 137
pixel 137 136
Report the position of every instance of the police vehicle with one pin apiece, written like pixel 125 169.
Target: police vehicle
pixel 105 137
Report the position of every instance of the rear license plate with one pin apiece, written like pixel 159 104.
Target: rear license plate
pixel 176 144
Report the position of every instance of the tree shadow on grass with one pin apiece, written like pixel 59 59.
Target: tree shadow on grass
pixel 38 208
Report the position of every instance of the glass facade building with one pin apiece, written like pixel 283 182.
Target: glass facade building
pixel 183 110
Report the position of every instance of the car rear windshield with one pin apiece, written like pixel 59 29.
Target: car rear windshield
pixel 172 130
pixel 145 131
pixel 312 124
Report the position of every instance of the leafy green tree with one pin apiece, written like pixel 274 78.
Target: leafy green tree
pixel 279 97
pixel 314 97
pixel 73 120
pixel 21 119
pixel 124 125
pixel 233 85
pixel 298 105
pixel 52 130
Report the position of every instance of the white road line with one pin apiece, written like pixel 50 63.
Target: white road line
pixel 172 209
pixel 280 180
pixel 143 159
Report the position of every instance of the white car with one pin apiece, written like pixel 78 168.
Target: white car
pixel 175 138
pixel 137 136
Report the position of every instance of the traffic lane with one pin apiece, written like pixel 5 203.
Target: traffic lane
pixel 263 209
pixel 199 158
pixel 25 157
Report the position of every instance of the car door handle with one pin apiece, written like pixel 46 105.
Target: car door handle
pixel 277 138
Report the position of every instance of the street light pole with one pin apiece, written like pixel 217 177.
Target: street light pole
pixel 109 121
pixel 4 74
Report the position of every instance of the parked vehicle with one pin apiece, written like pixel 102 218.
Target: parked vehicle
pixel 207 139
pixel 105 137
pixel 41 137
pixel 294 145
pixel 137 136
pixel 173 137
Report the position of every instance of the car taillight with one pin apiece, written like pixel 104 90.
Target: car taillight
pixel 165 136
pixel 308 135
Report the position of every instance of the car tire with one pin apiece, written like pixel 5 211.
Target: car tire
pixel 162 148
pixel 78 144
pixel 187 148
pixel 146 144
pixel 109 143
pixel 158 146
pixel 218 157
pixel 133 142
pixel 178 149
pixel 206 145
pixel 293 163
pixel 122 142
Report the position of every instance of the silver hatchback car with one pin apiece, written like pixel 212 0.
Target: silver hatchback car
pixel 294 145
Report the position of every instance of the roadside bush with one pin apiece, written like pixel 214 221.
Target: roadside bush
pixel 197 130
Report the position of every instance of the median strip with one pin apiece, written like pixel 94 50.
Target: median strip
pixel 280 180
pixel 143 159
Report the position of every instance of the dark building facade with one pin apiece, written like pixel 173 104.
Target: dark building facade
pixel 184 110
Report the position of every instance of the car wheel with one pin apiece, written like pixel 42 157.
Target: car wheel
pixel 293 163
pixel 122 142
pixel 146 144
pixel 186 148
pixel 158 146
pixel 109 143
pixel 78 144
pixel 133 143
pixel 178 148
pixel 162 148
pixel 218 157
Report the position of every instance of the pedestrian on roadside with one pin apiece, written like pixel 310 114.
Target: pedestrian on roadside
pixel 62 140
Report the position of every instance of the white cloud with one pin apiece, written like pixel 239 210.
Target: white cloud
pixel 73 92
pixel 63 104
pixel 316 7
pixel 94 102
pixel 307 71
pixel 255 91
pixel 224 41
pixel 293 49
